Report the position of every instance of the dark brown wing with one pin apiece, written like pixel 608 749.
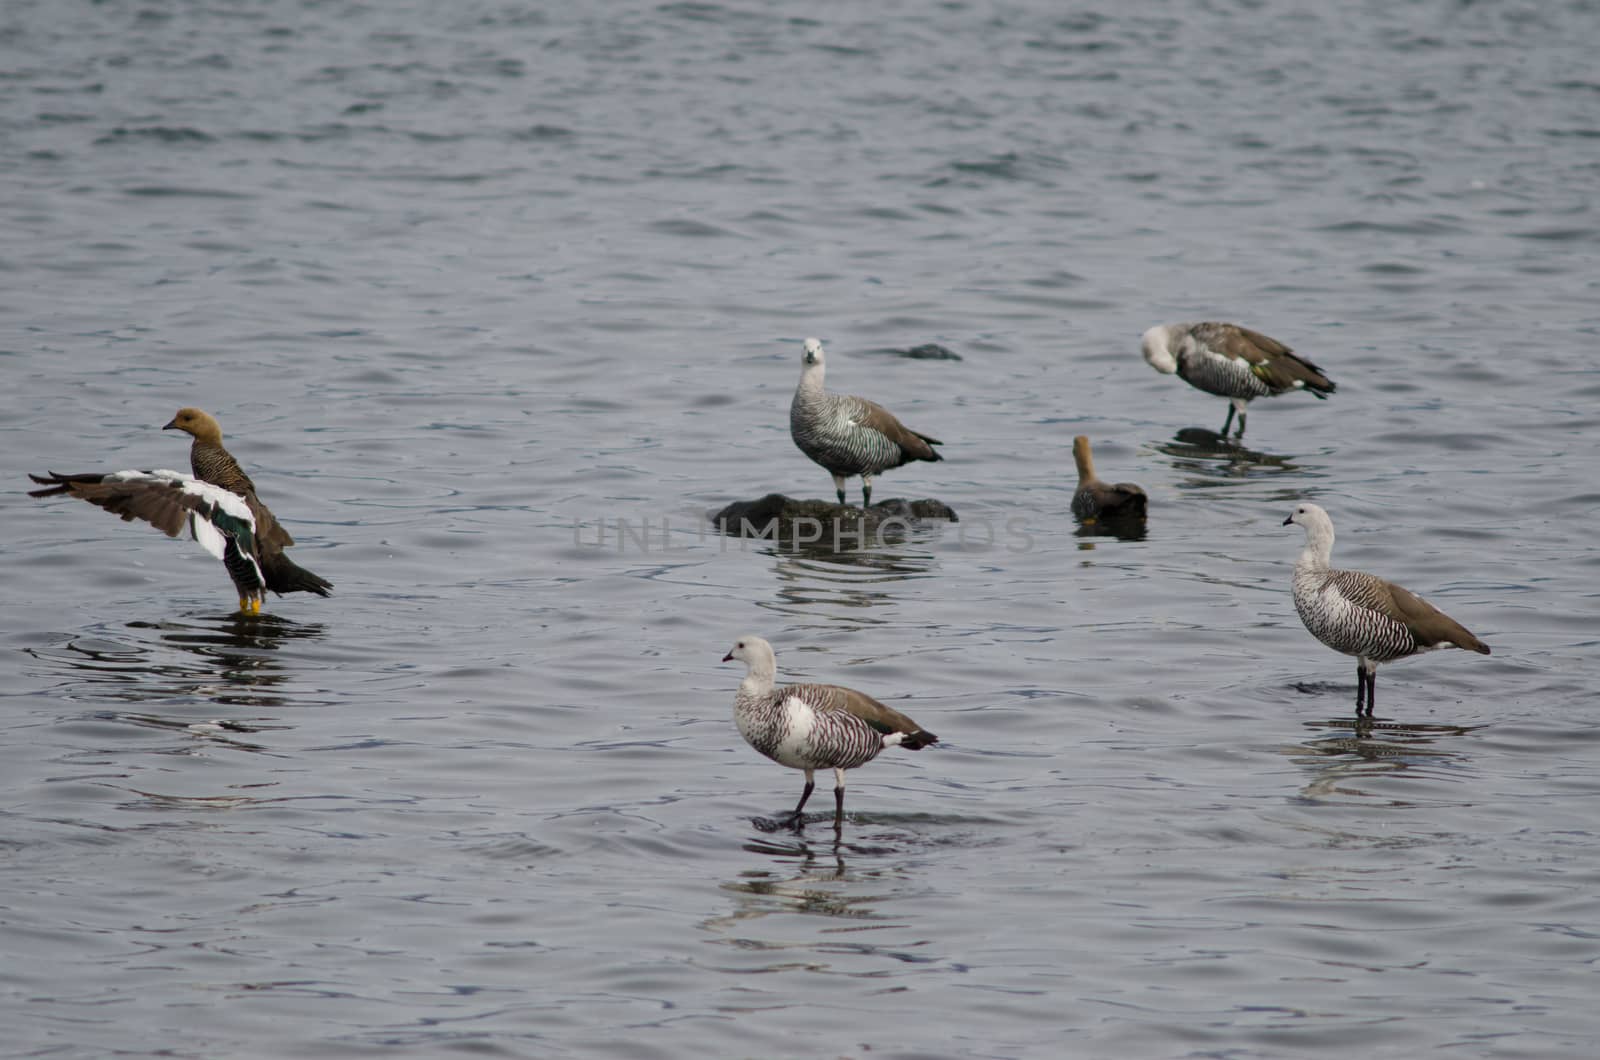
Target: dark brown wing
pixel 1275 364
pixel 273 537
pixel 915 446
pixel 1096 498
pixel 883 718
pixel 160 502
pixel 1429 624
pixel 1123 498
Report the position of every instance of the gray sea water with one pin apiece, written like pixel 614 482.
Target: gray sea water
pixel 472 287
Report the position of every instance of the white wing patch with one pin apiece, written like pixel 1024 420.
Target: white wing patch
pixel 227 500
pixel 167 475
pixel 209 537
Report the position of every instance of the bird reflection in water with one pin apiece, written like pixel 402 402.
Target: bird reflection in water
pixel 853 578
pixel 1208 455
pixel 805 878
pixel 218 730
pixel 242 647
pixel 228 659
pixel 1361 749
pixel 1120 528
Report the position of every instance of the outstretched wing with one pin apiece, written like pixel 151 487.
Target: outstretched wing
pixel 167 500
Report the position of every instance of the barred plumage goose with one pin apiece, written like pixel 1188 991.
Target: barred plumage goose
pixel 1095 499
pixel 811 727
pixel 218 505
pixel 1363 615
pixel 849 435
pixel 1231 362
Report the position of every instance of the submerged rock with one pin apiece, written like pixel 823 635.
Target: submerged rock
pixel 929 351
pixel 776 514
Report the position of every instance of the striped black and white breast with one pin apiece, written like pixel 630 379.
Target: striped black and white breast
pixel 1229 377
pixel 799 726
pixel 242 567
pixel 828 431
pixel 1340 608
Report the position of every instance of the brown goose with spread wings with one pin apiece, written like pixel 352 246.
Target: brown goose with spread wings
pixel 218 505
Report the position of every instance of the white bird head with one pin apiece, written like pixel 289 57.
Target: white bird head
pixel 749 650
pixel 1317 522
pixel 756 654
pixel 1159 346
pixel 813 353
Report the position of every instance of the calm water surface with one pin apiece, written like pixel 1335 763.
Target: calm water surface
pixel 468 284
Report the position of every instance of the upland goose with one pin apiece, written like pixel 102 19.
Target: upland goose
pixel 1363 615
pixel 813 727
pixel 849 435
pixel 1231 362
pixel 1095 499
pixel 218 505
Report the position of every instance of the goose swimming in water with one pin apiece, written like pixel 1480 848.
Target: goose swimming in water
pixel 1095 499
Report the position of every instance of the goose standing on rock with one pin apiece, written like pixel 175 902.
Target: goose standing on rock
pixel 218 504
pixel 1231 362
pixel 1362 615
pixel 1095 499
pixel 813 727
pixel 849 435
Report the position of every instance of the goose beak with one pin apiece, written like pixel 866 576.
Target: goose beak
pixel 1288 520
pixel 728 657
pixel 172 426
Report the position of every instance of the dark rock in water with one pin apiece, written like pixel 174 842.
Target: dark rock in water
pixel 769 515
pixel 929 351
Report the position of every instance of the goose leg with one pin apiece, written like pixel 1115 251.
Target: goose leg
pixel 1366 688
pixel 796 819
pixel 1241 423
pixel 1227 422
pixel 866 491
pixel 838 800
pixel 838 485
